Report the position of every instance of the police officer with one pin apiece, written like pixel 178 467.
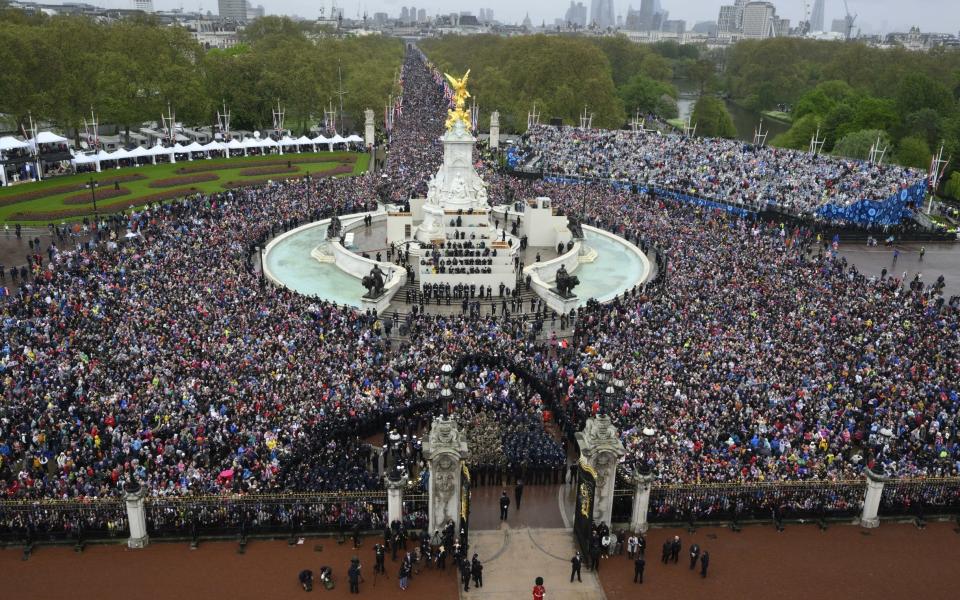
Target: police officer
pixel 575 563
pixel 694 555
pixel 476 569
pixel 504 505
pixel 638 565
pixel 465 574
pixel 379 553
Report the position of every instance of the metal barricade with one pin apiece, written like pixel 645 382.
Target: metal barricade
pixel 294 514
pixel 756 500
pixel 920 497
pixel 62 520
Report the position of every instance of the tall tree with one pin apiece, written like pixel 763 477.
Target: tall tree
pixel 712 118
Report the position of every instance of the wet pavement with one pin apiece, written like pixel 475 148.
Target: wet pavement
pixel 940 258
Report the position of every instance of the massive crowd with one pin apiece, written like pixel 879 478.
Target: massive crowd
pixel 759 355
pixel 504 422
pixel 722 169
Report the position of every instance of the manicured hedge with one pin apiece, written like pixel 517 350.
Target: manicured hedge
pixel 183 180
pixel 338 170
pixel 235 163
pixel 102 194
pixel 53 215
pixel 278 170
pixel 46 192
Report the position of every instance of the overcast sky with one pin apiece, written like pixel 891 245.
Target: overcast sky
pixel 874 15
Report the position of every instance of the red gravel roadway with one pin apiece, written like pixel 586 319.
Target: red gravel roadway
pixel 268 571
pixel 892 561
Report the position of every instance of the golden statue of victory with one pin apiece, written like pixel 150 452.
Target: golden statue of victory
pixel 460 95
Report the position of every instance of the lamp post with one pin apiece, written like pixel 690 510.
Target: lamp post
pixel 93 185
pixel 446 393
pixel 604 376
pixel 431 390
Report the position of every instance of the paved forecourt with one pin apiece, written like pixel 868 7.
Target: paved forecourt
pixel 516 557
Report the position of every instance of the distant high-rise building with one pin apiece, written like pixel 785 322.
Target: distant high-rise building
pixel 255 12
pixel 380 18
pixel 576 14
pixel 647 9
pixel 404 14
pixel 232 9
pixel 413 14
pixel 781 27
pixel 602 14
pixel 421 15
pixel 816 17
pixel 727 21
pixel 144 5
pixel 674 26
pixel 839 26
pixel 708 28
pixel 739 5
pixel 759 20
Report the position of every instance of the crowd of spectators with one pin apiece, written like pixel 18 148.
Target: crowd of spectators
pixel 504 422
pixel 728 170
pixel 758 356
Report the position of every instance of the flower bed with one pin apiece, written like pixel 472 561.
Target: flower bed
pixel 184 180
pixel 8 199
pixel 278 170
pixel 232 185
pixel 102 194
pixel 53 215
pixel 280 160
pixel 339 170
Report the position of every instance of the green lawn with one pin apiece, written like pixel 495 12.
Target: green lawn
pixel 678 123
pixel 777 115
pixel 141 188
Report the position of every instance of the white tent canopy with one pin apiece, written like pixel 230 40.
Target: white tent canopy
pixel 234 145
pixel 214 146
pixel 11 143
pixel 140 152
pixel 288 141
pixel 83 159
pixel 337 139
pixel 320 139
pixel 251 143
pixel 354 138
pixel 304 141
pixel 48 137
pixel 160 150
pixel 195 147
pixel 118 154
pixel 268 143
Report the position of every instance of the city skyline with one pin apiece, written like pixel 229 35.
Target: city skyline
pixel 873 15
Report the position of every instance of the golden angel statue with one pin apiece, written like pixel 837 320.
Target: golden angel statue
pixel 460 95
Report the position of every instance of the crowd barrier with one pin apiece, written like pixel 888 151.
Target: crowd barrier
pixel 759 500
pixel 296 514
pixel 866 213
pixel 935 496
pixel 62 520
pixel 265 514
